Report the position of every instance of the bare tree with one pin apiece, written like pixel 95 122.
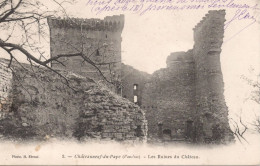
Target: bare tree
pixel 24 27
pixel 239 129
pixel 255 95
pixel 256 123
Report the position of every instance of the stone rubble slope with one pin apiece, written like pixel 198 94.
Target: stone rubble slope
pixel 43 106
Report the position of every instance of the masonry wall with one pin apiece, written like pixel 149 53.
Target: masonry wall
pixel 182 102
pixel 99 40
pixel 212 112
pixel 185 100
pixel 133 82
pixel 44 107
pixel 5 84
pixel 169 98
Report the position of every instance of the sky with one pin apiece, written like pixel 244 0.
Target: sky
pixel 147 40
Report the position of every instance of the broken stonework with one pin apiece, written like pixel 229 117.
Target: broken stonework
pixel 43 106
pixel 185 100
pixel 169 98
pixel 5 84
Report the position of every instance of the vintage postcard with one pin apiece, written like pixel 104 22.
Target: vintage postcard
pixel 129 82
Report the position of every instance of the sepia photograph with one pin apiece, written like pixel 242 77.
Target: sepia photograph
pixel 129 82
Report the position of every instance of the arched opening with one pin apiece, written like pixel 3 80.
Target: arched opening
pixel 135 89
pixel 167 134
pixel 189 128
pixel 138 131
pixel 135 99
pixel 160 132
pixel 135 86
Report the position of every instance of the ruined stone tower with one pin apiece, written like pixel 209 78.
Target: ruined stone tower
pixel 211 110
pixel 100 40
pixel 185 100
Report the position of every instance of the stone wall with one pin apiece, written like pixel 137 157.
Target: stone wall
pixel 43 106
pixel 100 40
pixel 133 83
pixel 5 84
pixel 182 102
pixel 169 98
pixel 212 112
pixel 185 100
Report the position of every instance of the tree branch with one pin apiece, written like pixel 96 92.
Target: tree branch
pixel 11 11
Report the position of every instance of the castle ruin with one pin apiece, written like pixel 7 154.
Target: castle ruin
pixel 99 40
pixel 185 100
pixel 182 102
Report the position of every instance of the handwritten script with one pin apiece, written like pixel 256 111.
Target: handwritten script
pixel 243 11
pixel 142 7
